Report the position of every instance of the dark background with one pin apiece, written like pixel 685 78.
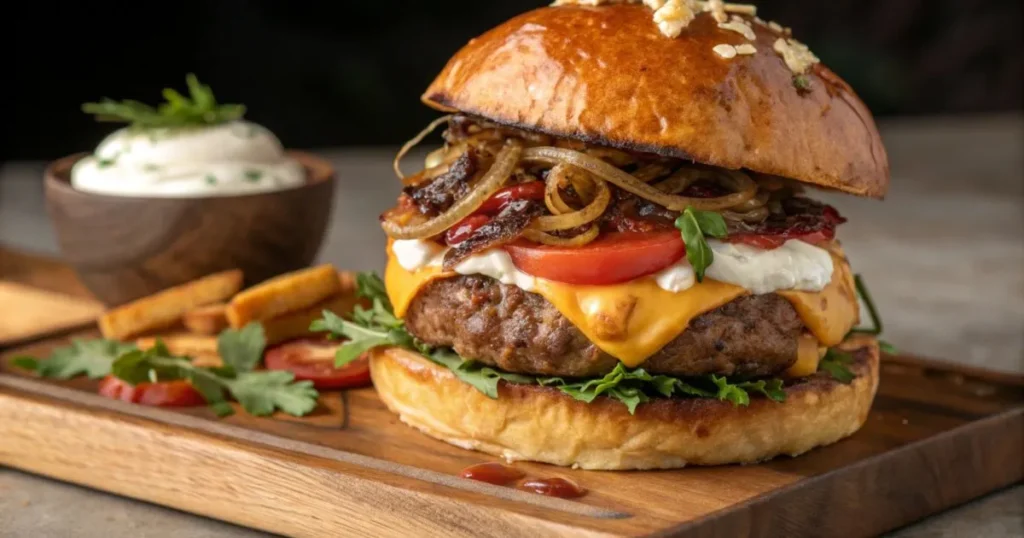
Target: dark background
pixel 335 73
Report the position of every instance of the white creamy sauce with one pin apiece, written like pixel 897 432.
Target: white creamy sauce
pixel 677 277
pixel 237 157
pixel 497 264
pixel 793 266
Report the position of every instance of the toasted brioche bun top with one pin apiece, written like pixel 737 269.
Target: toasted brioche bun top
pixel 606 75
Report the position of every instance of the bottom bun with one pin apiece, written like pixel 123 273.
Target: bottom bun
pixel 534 423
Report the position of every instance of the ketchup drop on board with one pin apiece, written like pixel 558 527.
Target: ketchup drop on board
pixel 492 473
pixel 554 487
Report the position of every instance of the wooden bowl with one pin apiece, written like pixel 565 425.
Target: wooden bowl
pixel 124 247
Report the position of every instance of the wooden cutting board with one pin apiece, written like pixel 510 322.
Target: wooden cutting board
pixel 39 297
pixel 938 435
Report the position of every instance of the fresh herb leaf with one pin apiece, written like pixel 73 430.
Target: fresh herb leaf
pixel 259 392
pixel 483 378
pixel 198 108
pixel 772 388
pixel 710 223
pixel 92 358
pixel 370 327
pixel 802 83
pixel 731 392
pixel 253 176
pixel 876 327
pixel 865 295
pixel 694 225
pixel 242 349
pixel 837 364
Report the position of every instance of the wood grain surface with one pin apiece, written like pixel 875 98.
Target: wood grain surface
pixel 937 437
pixel 124 248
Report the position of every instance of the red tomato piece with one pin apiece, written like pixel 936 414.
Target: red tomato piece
pixel 465 228
pixel 178 393
pixel 531 190
pixel 313 359
pixel 613 258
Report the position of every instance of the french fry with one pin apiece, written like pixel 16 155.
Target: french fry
pixel 202 349
pixel 286 293
pixel 208 320
pixel 167 307
pixel 296 324
pixel 348 281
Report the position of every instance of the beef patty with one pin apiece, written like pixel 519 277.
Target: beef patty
pixel 518 331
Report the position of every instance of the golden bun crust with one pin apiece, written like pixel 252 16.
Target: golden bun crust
pixel 606 75
pixel 529 422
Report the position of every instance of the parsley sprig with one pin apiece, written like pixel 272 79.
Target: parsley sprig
pixel 91 358
pixel 259 392
pixel 694 226
pixel 198 108
pixel 377 326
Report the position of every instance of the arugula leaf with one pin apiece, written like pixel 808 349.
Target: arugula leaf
pixel 836 363
pixel 772 388
pixel 483 378
pixel 369 285
pixel 694 225
pixel 198 108
pixel 373 327
pixel 729 391
pixel 92 358
pixel 259 392
pixel 242 349
pixel 378 326
pixel 876 327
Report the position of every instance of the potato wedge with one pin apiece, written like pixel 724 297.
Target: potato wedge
pixel 202 349
pixel 348 281
pixel 167 307
pixel 296 324
pixel 283 294
pixel 207 320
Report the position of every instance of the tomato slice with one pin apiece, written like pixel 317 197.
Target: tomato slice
pixel 612 258
pixel 178 393
pixel 313 359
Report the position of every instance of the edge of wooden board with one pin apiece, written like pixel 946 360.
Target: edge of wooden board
pixel 365 492
pixel 883 492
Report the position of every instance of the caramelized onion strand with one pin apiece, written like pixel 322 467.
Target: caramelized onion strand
pixel 397 163
pixel 745 187
pixel 493 180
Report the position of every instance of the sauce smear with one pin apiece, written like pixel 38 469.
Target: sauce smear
pixel 554 487
pixel 492 473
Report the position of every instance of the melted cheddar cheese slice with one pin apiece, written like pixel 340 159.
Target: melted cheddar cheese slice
pixel 633 320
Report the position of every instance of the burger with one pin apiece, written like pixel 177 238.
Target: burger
pixel 616 260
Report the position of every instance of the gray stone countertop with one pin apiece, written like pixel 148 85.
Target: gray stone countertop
pixel 944 255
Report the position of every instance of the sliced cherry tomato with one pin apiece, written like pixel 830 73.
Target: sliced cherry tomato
pixel 612 258
pixel 465 228
pixel 177 393
pixel 313 359
pixel 531 190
